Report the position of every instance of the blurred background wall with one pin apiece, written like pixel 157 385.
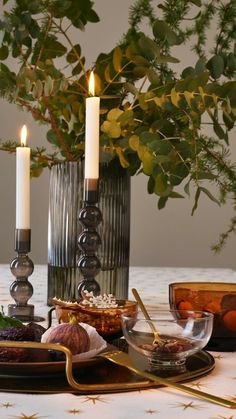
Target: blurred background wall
pixel 170 237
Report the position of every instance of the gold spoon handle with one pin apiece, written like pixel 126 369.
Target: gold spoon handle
pixel 145 313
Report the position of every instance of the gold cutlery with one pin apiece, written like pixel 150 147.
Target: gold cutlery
pixel 121 358
pixel 157 339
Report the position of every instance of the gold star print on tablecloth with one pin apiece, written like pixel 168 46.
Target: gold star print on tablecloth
pixel 74 411
pixel 198 385
pixel 150 411
pixel 24 416
pixel 6 405
pixel 190 405
pixel 219 357
pixel 224 417
pixel 94 399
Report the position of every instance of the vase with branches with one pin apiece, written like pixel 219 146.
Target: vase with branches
pixel 170 122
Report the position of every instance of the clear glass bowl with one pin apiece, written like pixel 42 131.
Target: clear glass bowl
pixel 182 332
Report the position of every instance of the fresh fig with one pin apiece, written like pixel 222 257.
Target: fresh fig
pixel 73 336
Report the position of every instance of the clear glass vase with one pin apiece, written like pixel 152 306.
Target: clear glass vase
pixel 65 202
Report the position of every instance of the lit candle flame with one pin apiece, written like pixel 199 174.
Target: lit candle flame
pixel 91 84
pixel 23 136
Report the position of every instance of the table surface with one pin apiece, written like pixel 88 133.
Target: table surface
pixel 161 403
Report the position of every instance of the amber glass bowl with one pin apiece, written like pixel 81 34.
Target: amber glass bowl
pixel 216 297
pixel 107 321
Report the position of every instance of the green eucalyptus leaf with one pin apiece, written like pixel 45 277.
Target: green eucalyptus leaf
pixel 126 117
pixel 210 196
pixel 231 62
pixel 153 76
pixel 28 85
pixel 38 89
pixel 150 185
pixel 196 199
pixel 134 142
pixel 117 59
pixel 74 54
pixel 130 87
pixel 48 86
pixel 79 67
pixel 186 188
pixel 139 72
pixel 216 66
pixel 161 185
pixel 49 48
pixel 218 130
pixel 4 52
pixel 164 59
pixel 180 172
pixel 92 16
pixel 139 60
pixel 188 71
pixel 147 137
pixel 160 159
pixel 123 161
pixel 174 194
pixel 66 112
pixel 148 47
pixel 228 120
pixel 205 175
pixel 162 31
pixel 53 138
pixel 196 2
pixel 34 29
pixel 111 128
pixel 189 96
pixel 142 101
pixel 175 97
pixel 148 162
pixel 63 85
pixel 200 66
pixel 114 114
pixel 162 202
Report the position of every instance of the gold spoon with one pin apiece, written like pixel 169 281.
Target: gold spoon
pixel 157 339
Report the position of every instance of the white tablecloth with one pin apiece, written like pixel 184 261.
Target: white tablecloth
pixel 161 403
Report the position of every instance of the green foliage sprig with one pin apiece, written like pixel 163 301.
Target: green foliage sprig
pixel 153 117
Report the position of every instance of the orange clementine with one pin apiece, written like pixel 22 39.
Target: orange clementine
pixel 229 320
pixel 185 305
pixel 213 307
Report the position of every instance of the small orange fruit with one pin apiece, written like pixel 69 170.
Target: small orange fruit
pixel 213 307
pixel 229 320
pixel 185 305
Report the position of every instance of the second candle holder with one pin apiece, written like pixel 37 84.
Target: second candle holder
pixel 89 240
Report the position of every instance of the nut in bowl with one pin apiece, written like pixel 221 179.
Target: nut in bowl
pixel 182 334
pixel 216 297
pixel 104 317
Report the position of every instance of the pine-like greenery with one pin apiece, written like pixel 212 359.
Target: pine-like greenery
pixel 153 117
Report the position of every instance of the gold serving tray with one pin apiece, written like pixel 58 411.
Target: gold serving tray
pixel 96 375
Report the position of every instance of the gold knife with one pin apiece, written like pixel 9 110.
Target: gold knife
pixel 121 358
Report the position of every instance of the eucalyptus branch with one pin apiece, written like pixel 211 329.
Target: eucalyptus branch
pixel 57 131
pixel 118 73
pixel 64 33
pixel 34 111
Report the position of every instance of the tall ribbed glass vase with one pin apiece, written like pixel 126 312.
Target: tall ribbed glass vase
pixel 65 202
